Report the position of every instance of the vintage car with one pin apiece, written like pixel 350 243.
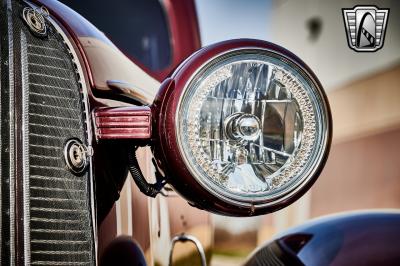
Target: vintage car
pixel 117 158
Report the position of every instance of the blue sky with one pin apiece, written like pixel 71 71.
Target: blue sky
pixel 228 19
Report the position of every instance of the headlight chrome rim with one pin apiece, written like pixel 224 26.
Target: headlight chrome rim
pixel 307 173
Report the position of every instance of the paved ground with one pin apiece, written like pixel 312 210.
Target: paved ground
pixel 218 260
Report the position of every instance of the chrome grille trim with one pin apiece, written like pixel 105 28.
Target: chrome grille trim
pixel 54 199
pixel 52 178
pixel 25 148
pixel 48 86
pixel 56 189
pixel 56 263
pixel 55 231
pixel 44 146
pixel 46 56
pixel 11 137
pixel 53 67
pixel 54 117
pixel 57 234
pixel 55 210
pixel 1 162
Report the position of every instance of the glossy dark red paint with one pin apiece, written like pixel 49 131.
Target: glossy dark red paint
pixel 184 37
pixel 123 123
pixel 166 148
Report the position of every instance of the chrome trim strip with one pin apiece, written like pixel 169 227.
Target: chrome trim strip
pixel 1 164
pixel 12 137
pixel 25 149
pixel 185 238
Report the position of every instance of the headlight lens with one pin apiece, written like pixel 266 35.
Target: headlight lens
pixel 249 125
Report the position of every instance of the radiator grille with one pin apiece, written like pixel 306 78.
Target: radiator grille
pixel 57 202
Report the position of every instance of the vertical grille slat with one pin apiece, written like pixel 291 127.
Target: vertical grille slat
pixel 60 221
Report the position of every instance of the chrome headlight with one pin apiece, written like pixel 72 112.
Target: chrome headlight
pixel 251 125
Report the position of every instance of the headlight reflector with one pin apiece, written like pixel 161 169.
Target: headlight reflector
pixel 248 125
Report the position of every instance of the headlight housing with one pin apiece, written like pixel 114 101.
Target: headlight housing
pixel 244 128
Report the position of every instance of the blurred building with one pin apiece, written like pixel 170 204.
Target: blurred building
pixel 363 170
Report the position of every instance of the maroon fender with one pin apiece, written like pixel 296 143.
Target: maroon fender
pixel 185 37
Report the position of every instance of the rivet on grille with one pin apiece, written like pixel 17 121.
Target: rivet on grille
pixel 76 156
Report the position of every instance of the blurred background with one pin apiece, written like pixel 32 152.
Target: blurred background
pixel 363 169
